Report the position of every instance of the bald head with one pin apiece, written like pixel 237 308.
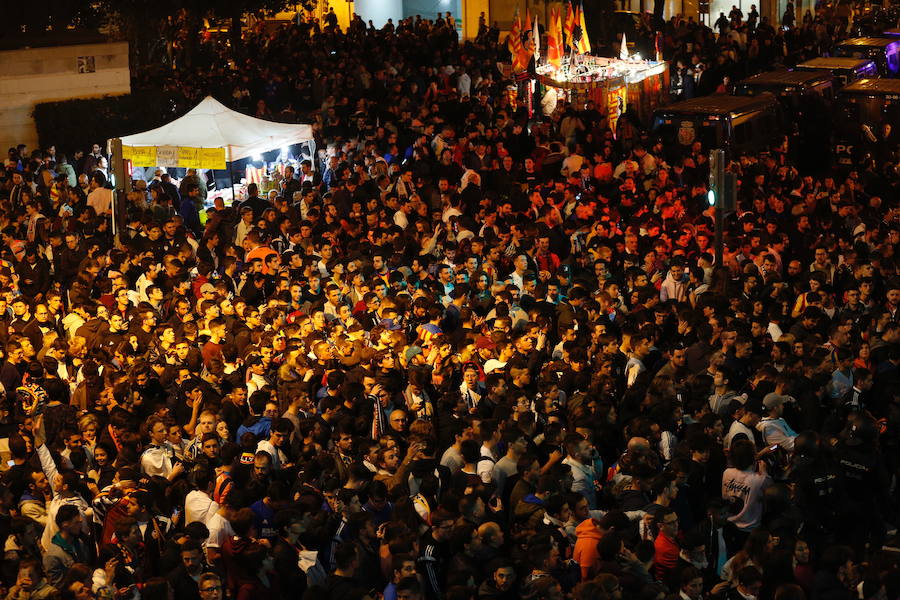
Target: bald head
pixel 638 444
pixel 491 534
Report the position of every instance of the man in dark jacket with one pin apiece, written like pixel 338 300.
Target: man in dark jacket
pixel 837 575
pixel 433 554
pixel 34 274
pixel 70 259
pixel 185 577
pixel 342 584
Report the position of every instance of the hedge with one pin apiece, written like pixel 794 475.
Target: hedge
pixel 76 124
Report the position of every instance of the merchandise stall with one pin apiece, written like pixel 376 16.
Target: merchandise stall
pixel 613 84
pixel 211 136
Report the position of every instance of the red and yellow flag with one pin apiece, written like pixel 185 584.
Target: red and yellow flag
pixel 569 25
pixel 554 39
pixel 514 43
pixel 584 44
pixel 527 48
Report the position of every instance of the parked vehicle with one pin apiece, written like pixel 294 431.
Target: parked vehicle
pixel 885 51
pixel 806 98
pixel 844 70
pixel 737 124
pixel 861 111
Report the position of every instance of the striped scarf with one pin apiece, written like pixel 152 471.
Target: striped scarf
pixel 378 424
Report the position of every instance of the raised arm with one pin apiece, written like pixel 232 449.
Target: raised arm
pixel 47 463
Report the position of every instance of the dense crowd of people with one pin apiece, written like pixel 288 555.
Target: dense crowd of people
pixel 470 355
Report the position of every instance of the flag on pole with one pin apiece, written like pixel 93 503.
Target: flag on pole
pixel 584 44
pixel 554 40
pixel 569 25
pixel 515 42
pixel 527 47
pixel 536 36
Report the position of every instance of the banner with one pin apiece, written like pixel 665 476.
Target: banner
pixel 212 158
pixel 144 156
pixel 175 156
pixel 167 156
pixel 189 158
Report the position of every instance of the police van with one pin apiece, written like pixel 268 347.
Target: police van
pixel 794 88
pixel 806 99
pixel 737 124
pixel 844 70
pixel 885 51
pixel 861 110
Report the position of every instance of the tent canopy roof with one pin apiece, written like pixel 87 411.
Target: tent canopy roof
pixel 211 124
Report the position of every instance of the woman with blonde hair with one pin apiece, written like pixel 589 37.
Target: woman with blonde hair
pixel 88 425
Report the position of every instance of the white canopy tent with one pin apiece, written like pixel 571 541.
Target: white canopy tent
pixel 211 124
pixel 210 136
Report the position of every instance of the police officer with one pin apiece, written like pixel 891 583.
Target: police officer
pixel 865 482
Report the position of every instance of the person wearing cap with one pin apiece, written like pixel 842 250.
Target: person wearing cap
pixel 773 427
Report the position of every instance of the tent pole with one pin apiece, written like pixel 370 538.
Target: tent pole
pixel 120 173
pixel 231 174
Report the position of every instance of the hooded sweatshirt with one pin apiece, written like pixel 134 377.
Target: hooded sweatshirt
pixel 530 511
pixel 585 554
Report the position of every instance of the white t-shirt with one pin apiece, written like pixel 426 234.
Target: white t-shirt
pixel 100 200
pixel 485 466
pixel 219 530
pixel 748 487
pixel 198 506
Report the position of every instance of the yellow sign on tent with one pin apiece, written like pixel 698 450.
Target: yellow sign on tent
pixel 212 158
pixel 144 156
pixel 172 156
pixel 188 158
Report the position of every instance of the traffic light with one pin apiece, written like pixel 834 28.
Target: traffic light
pixel 722 196
pixel 722 186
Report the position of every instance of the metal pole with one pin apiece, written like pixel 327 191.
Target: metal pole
pixel 118 167
pixel 231 175
pixel 716 180
pixel 720 224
